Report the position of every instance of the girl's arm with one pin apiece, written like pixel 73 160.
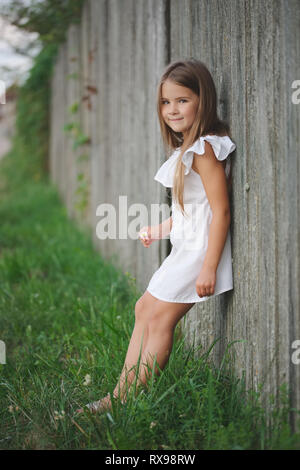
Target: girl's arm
pixel 149 234
pixel 213 175
pixel 217 237
pixel 162 230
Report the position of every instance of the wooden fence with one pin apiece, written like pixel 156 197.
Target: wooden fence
pixel 109 67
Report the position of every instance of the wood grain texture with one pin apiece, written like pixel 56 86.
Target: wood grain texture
pixel 252 50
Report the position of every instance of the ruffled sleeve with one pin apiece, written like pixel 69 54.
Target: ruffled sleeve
pixel 165 174
pixel 222 147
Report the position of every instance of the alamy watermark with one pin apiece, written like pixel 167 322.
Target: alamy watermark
pixel 2 352
pixel 296 354
pixel 188 229
pixel 296 93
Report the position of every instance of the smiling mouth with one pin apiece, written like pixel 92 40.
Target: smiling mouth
pixel 179 119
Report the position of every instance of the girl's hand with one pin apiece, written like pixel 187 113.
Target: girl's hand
pixel 206 281
pixel 145 236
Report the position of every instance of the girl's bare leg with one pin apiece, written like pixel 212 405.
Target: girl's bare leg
pixel 156 320
pixel 161 329
pixel 143 309
pixel 158 342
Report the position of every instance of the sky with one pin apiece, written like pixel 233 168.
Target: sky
pixel 14 67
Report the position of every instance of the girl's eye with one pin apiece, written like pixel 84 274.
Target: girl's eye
pixel 165 101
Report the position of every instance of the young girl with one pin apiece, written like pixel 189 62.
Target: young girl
pixel 199 265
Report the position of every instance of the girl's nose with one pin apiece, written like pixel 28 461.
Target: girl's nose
pixel 173 109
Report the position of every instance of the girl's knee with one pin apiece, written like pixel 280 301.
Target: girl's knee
pixel 138 310
pixel 142 310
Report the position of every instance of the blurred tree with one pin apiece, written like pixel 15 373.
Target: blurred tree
pixel 48 18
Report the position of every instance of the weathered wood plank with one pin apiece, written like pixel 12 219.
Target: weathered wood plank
pixel 252 49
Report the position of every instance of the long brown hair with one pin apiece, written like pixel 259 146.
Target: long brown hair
pixel 192 74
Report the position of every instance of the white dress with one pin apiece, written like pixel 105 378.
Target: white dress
pixel 175 279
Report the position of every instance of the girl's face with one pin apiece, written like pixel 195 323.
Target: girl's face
pixel 178 106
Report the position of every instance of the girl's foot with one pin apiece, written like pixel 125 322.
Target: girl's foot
pixel 98 406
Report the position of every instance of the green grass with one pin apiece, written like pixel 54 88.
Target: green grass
pixel 66 313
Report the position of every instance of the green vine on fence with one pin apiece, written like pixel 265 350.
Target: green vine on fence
pixel 50 19
pixel 79 139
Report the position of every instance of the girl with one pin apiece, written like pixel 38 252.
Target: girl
pixel 199 265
